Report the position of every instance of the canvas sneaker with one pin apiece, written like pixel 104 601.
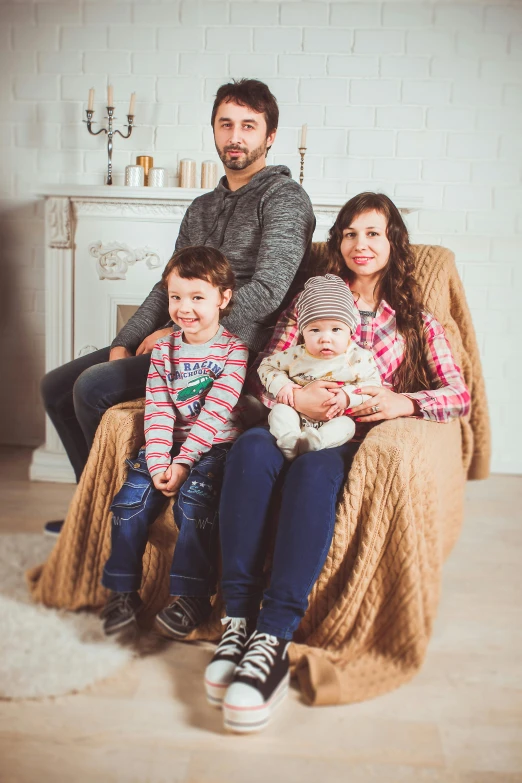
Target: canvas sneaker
pixel 259 684
pixel 120 612
pixel 219 672
pixel 183 616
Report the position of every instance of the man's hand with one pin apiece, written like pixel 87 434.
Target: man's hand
pixel 119 352
pixel 286 394
pixel 171 480
pixel 316 399
pixel 149 342
pixel 338 407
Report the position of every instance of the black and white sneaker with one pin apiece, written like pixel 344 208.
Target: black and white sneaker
pixel 259 684
pixel 120 612
pixel 219 672
pixel 183 616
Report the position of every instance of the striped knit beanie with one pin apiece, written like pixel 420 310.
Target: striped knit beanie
pixel 327 297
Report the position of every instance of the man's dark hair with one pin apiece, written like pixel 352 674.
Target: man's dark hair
pixel 251 93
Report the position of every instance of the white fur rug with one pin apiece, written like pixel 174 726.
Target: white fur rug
pixel 46 652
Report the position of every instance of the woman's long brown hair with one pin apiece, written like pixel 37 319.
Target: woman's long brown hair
pixel 397 285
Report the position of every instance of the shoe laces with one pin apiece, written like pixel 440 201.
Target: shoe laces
pixel 234 637
pixel 259 658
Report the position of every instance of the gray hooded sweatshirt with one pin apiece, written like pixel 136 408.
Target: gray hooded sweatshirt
pixel 265 230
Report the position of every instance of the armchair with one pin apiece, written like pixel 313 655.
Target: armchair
pixel 372 609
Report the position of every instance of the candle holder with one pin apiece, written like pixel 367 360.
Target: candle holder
pixel 110 133
pixel 302 152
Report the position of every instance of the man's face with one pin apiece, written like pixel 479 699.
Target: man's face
pixel 240 135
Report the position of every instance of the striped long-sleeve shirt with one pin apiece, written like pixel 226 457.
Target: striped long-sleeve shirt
pixel 449 397
pixel 192 391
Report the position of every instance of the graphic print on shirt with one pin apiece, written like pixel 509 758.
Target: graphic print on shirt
pixel 196 387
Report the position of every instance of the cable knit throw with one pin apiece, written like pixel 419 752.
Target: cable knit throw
pixel 372 609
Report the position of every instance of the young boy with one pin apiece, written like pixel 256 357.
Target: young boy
pixel 327 318
pixel 194 382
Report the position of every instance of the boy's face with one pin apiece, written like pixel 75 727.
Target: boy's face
pixel 326 338
pixel 240 135
pixel 195 305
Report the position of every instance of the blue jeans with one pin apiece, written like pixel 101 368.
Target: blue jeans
pixel 77 394
pixel 310 488
pixel 138 504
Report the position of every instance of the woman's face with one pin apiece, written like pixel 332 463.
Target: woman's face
pixel 365 246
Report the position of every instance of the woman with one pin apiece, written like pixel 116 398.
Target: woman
pixel 369 247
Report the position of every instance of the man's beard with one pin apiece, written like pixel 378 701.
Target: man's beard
pixel 238 164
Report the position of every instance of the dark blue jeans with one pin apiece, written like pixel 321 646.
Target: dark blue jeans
pixel 77 394
pixel 138 504
pixel 310 488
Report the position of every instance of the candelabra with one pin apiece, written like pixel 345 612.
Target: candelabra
pixel 302 151
pixel 110 133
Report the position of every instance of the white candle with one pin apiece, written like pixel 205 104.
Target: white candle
pixel 132 104
pixel 90 106
pixel 303 135
pixel 110 96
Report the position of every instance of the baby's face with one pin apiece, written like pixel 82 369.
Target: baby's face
pixel 326 338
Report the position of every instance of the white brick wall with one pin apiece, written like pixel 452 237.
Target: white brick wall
pixel 415 98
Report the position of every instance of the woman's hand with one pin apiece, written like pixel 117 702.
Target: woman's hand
pixel 149 342
pixel 315 399
pixel 286 394
pixel 389 405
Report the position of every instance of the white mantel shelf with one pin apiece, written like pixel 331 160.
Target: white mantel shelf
pixel 120 192
pixel 123 193
pixel 105 248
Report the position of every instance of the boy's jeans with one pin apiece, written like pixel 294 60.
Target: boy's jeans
pixel 139 503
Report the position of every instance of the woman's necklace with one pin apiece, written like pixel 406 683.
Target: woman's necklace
pixel 362 304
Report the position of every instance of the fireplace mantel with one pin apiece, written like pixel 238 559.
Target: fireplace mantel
pixel 185 195
pixel 105 247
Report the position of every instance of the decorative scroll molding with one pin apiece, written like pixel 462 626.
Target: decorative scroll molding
pixel 125 209
pixel 114 259
pixel 58 214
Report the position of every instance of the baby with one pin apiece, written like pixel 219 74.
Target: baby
pixel 326 318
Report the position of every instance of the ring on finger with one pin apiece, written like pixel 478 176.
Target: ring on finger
pixel 375 409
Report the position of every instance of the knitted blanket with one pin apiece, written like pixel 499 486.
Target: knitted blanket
pixel 372 609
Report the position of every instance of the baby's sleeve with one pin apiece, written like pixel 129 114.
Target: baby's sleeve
pixel 273 370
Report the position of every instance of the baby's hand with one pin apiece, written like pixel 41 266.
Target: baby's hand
pixel 286 394
pixel 340 401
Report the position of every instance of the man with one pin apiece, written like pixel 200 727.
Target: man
pixel 259 218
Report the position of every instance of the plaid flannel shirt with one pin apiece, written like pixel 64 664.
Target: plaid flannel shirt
pixel 448 400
